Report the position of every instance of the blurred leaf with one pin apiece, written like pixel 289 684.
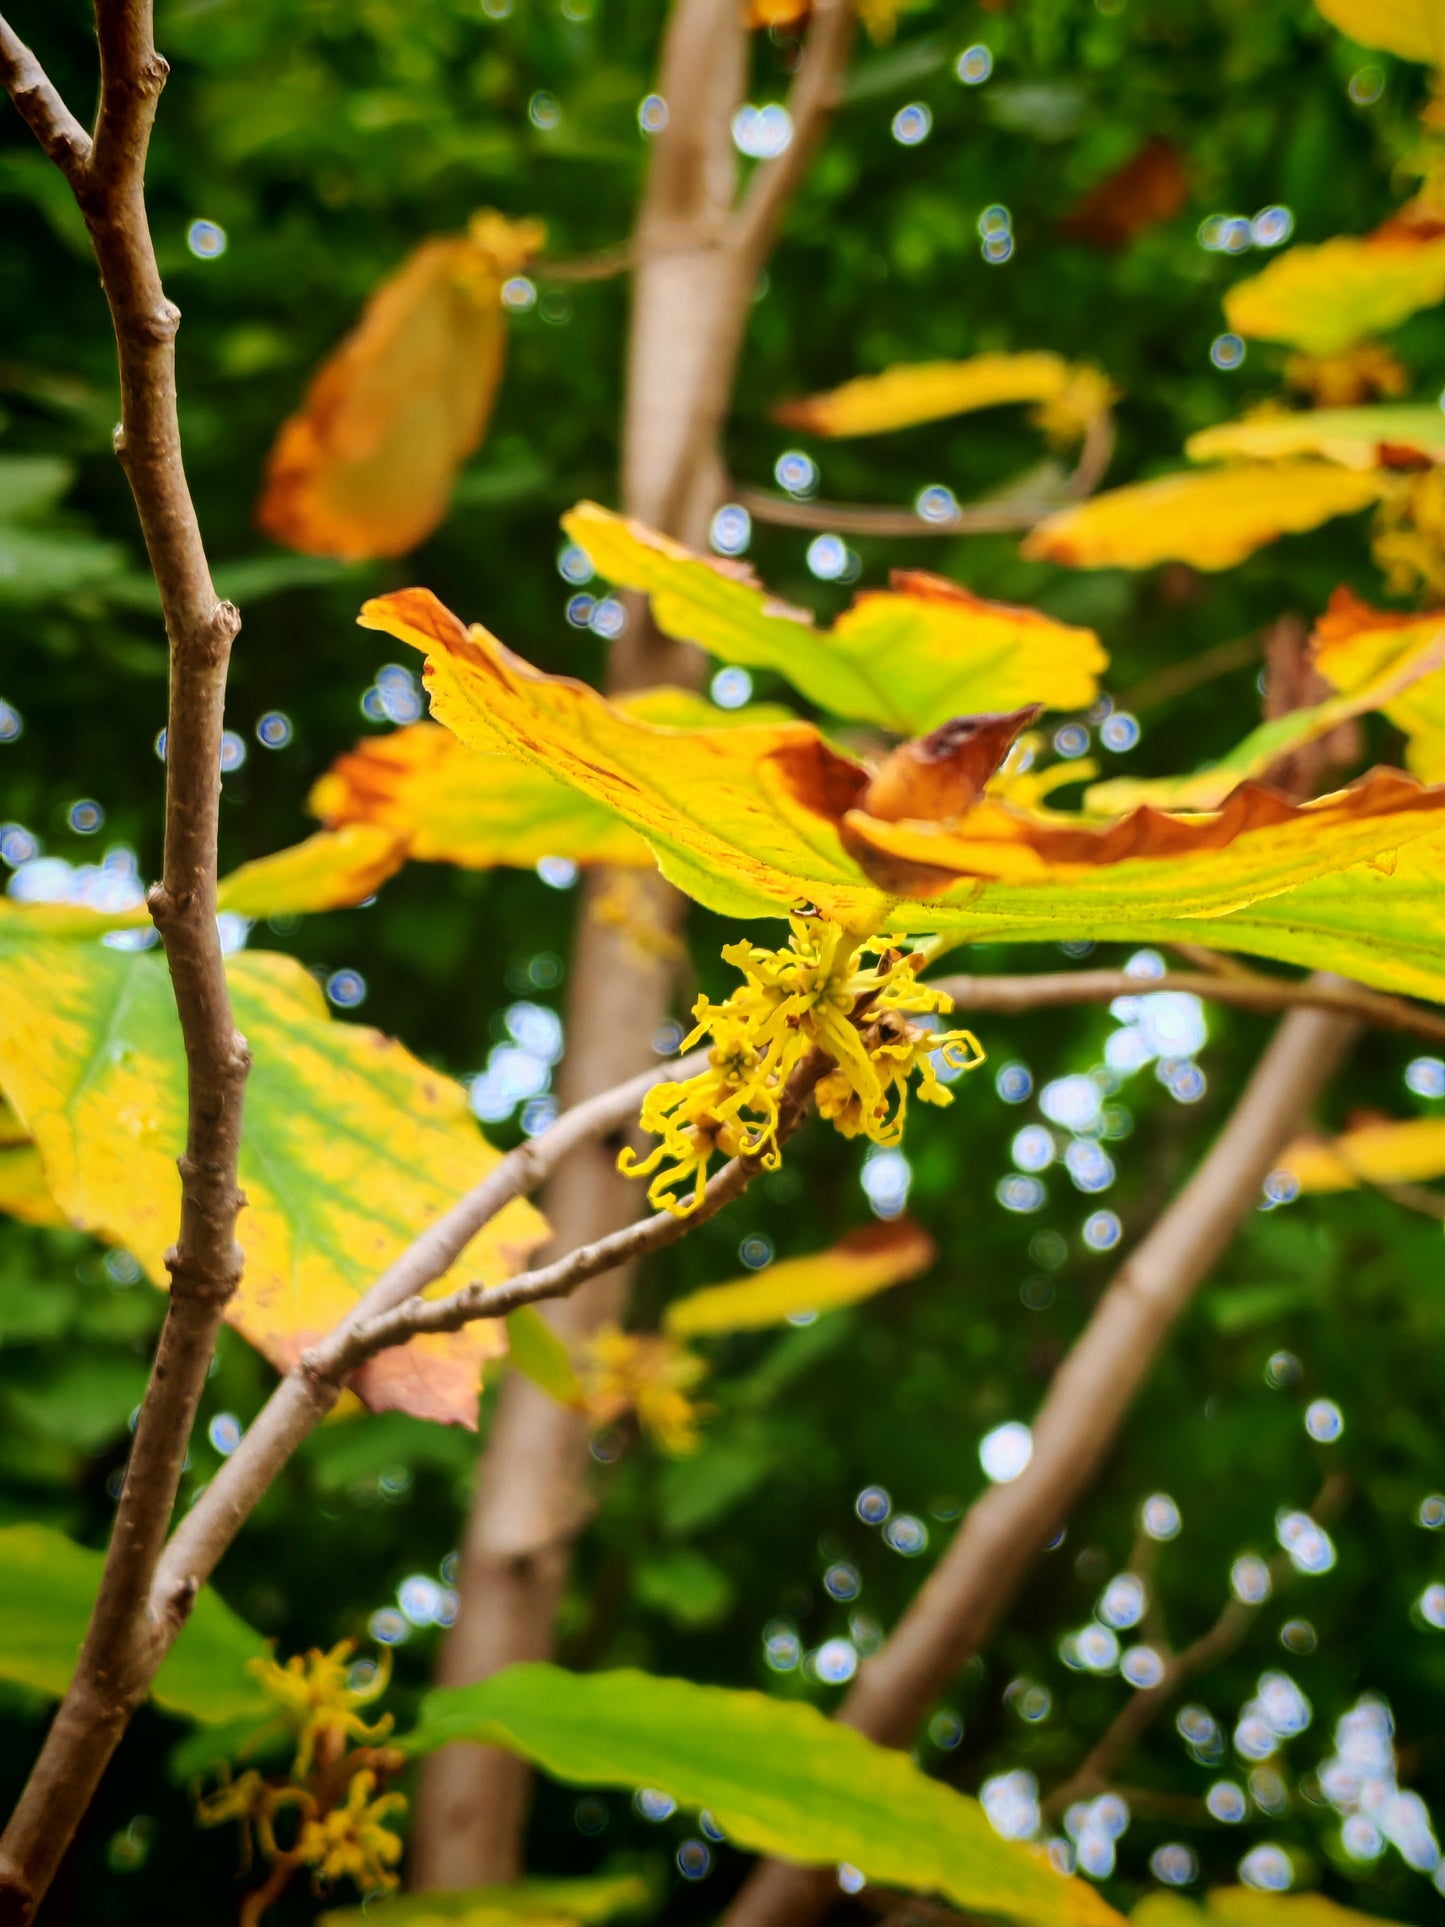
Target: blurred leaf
pixel 1212 520
pixel 1354 437
pixel 908 659
pixel 351 1148
pixel 539 1354
pixel 50 1585
pixel 1381 1151
pixel 330 870
pixel 31 484
pixel 39 563
pixel 1416 650
pixel 859 1265
pixel 778 1778
pixel 1324 299
pixel 1041 110
pixel 685 1587
pixel 85 1400
pixel 1149 188
pixel 1350 645
pixel 1410 29
pixel 366 468
pixel 929 391
pixel 24 1194
pixel 600 1898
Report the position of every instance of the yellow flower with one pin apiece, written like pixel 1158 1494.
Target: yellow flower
pixel 254 1802
pixel 318 1701
pixel 350 1841
pixel 651 1375
pixel 1354 375
pixel 825 990
pixel 1409 538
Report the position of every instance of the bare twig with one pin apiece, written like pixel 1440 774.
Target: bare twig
pixel 815 92
pixel 1003 516
pixel 1144 1707
pixel 1242 989
pixel 1005 1529
pixel 107 177
pixel 311 1388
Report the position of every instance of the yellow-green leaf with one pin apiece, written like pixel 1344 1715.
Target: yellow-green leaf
pixel 777 1777
pixel 445 803
pixel 1411 651
pixel 1212 519
pixel 1248 1907
pixel 1363 438
pixel 351 1146
pixel 49 1587
pixel 541 1903
pixel 1324 299
pixel 861 1264
pixel 366 467
pixel 907 658
pixel 1379 1151
pixel 328 871
pixel 24 1194
pixel 1353 645
pixel 929 391
pixel 1350 882
pixel 1410 29
pixel 539 1354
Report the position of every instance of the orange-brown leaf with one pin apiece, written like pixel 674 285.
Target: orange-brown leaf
pixel 366 467
pixel 1150 188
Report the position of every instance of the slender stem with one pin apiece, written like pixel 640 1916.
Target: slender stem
pixel 1005 1530
pixel 1241 989
pixel 1142 1708
pixel 1000 517
pixel 107 176
pixel 310 1389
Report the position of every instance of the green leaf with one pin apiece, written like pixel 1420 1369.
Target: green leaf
pixel 685 1587
pixel 585 1901
pixel 777 1777
pixel 49 1586
pixel 30 484
pixel 539 1354
pixel 908 658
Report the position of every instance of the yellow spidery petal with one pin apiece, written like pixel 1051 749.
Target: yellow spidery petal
pixel 824 990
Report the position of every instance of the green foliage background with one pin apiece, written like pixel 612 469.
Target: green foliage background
pixel 326 140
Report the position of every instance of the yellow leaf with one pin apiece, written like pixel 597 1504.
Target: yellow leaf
pixel 366 467
pixel 24 1194
pixel 351 1146
pixel 1410 29
pixel 751 820
pixel 328 871
pixel 1352 644
pixel 908 658
pixel 1249 1907
pixel 1362 438
pixel 1403 656
pixel 861 1264
pixel 1324 299
pixel 1212 520
pixel 445 803
pixel 929 391
pixel 1382 1151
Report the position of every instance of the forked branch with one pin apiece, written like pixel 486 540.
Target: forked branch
pixel 107 177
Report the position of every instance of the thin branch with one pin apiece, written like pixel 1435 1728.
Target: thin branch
pixel 1003 516
pixel 1142 1709
pixel 311 1388
pixel 1006 1529
pixel 815 92
pixel 38 103
pixel 118 1657
pixel 1241 989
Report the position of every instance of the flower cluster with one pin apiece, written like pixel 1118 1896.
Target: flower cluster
pixel 1409 538
pixel 649 1374
pixel 331 1788
pixel 827 991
